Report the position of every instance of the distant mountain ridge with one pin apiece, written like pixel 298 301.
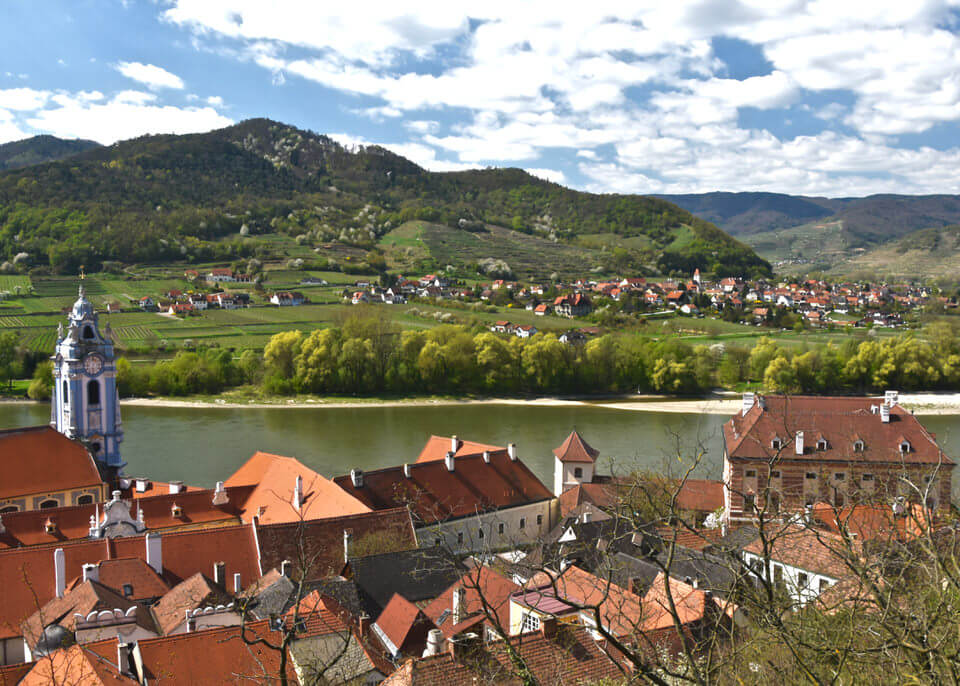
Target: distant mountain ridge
pixel 210 196
pixel 876 218
pixel 40 149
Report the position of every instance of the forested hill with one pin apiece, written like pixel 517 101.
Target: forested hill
pixel 874 219
pixel 208 196
pixel 40 149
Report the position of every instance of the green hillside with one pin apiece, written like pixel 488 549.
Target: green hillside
pixel 932 253
pixel 264 189
pixel 40 149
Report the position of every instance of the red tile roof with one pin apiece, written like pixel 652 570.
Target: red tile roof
pixel 570 656
pixel 873 521
pixel 132 571
pixel 85 598
pixel 575 449
pixel 184 554
pixel 321 615
pixel 480 582
pixel 840 420
pixel 691 604
pixel 437 447
pixel 214 656
pixel 273 478
pixel 700 495
pixel 436 494
pixel 196 592
pixel 805 548
pixel 40 459
pixel 403 624
pixel 602 495
pixel 323 539
pixel 86 665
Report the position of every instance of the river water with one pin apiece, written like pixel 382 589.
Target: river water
pixel 202 446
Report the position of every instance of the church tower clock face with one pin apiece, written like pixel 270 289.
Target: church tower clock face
pixel 93 364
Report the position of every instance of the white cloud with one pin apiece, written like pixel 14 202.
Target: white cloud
pixel 9 131
pixel 127 115
pixel 588 154
pixel 150 75
pixel 215 101
pixel 23 99
pixel 423 155
pixel 553 175
pixel 422 126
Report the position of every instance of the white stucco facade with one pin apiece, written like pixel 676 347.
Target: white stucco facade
pixel 803 585
pixel 494 530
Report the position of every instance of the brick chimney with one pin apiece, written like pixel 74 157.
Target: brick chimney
pixel 799 443
pixel 548 627
pixel 220 495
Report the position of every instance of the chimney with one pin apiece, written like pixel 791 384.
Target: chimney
pixel 799 443
pixel 237 586
pixel 285 567
pixel 220 574
pixel 91 572
pixel 512 451
pixel 154 552
pixel 363 623
pixel 59 571
pixel 486 456
pixel 448 460
pixel 459 609
pixel 191 621
pixel 356 476
pixel 747 403
pixel 586 516
pixel 548 627
pixel 298 493
pixel 454 444
pixel 142 485
pixel 406 470
pixel 890 398
pixel 220 494
pixel 434 643
pixel 176 487
pixel 885 414
pixel 3 529
pixel 347 540
pixel 761 402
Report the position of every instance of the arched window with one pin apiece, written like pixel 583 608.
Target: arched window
pixel 858 446
pixel 49 503
pixel 822 444
pixel 88 332
pixel 905 447
pixel 9 509
pixel 93 392
pixel 85 499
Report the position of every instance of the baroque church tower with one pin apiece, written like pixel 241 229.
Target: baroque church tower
pixel 85 403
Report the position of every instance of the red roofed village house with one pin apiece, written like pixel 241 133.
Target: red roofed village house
pixel 789 453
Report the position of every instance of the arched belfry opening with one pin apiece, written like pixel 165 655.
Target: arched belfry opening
pixel 93 392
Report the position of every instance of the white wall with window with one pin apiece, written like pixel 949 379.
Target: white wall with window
pixel 803 585
pixel 496 530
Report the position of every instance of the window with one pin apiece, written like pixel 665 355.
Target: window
pixel 867 477
pixel 824 585
pixel 750 473
pixel 460 538
pixel 858 446
pixel 127 590
pixel 748 501
pixel 926 479
pixel 539 520
pixel 905 447
pixel 775 501
pixel 500 528
pixel 775 474
pixel 778 575
pixel 49 503
pixel 93 392
pixel 438 541
pixel 480 533
pixel 523 522
pixel 578 472
pixel 85 499
pixel 776 444
pixel 802 580
pixel 839 476
pixel 530 623
pixel 9 509
pixel 88 332
pixel 812 476
pixel 822 444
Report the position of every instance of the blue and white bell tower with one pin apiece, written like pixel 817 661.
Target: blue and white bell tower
pixel 85 402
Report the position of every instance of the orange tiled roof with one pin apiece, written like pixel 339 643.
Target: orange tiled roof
pixel 273 478
pixel 805 548
pixel 132 571
pixel 690 603
pixel 197 591
pixel 575 449
pixel 401 621
pixel 840 421
pixel 701 495
pixel 873 521
pixel 40 459
pixel 496 590
pixel 602 495
pixel 435 494
pixel 86 665
pixel 83 599
pixel 437 447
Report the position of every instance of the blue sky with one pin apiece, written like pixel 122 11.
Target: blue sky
pixel 814 97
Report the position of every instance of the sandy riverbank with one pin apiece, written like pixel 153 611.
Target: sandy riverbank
pixel 920 403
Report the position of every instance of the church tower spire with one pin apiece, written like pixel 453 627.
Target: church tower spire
pixel 85 403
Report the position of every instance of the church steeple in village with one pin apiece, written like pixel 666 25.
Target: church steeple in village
pixel 85 403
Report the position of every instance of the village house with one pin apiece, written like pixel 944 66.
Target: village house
pixel 287 298
pixel 576 305
pixel 526 331
pixel 785 453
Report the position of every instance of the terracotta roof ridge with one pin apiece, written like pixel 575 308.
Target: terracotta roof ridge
pixel 24 429
pixel 329 520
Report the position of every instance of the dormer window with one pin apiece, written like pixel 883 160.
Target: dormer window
pixel 776 444
pixel 176 510
pixel 822 444
pixel 904 446
pixel 858 446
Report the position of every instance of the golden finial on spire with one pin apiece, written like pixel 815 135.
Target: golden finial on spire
pixel 82 275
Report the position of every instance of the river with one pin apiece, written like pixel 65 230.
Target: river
pixel 202 445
